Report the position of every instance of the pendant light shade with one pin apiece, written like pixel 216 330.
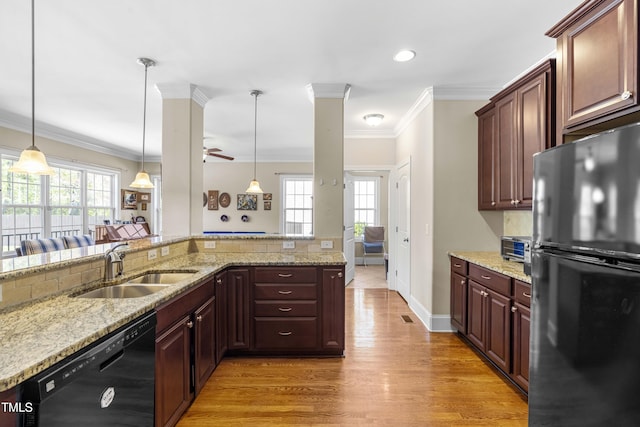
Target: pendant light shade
pixel 254 186
pixel 32 160
pixel 142 178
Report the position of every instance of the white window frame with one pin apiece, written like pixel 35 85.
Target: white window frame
pixel 376 209
pixel 283 208
pixel 45 191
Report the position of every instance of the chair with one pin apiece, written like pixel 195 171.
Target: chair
pixel 373 242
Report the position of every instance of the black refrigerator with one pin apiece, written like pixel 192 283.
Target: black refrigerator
pixel 585 271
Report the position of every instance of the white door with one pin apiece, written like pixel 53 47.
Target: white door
pixel 403 259
pixel 348 237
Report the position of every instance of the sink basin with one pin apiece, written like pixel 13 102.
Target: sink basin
pixel 163 278
pixel 124 291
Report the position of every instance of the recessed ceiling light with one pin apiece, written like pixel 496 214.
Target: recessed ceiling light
pixel 373 119
pixel 404 56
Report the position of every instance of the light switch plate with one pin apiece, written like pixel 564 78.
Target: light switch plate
pixel 152 254
pixel 209 244
pixel 288 245
pixel 164 251
pixel 326 244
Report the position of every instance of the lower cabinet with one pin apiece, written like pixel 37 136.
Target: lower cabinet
pixel 521 315
pixel 238 301
pixel 185 351
pixel 492 311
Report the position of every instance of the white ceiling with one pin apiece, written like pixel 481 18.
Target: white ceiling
pixel 89 84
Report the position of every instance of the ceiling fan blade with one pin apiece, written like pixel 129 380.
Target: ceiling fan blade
pixel 222 156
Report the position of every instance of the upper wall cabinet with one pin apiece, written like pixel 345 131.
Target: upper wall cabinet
pixel 518 123
pixel 597 68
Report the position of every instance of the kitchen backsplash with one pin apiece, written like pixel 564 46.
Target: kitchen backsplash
pixel 518 223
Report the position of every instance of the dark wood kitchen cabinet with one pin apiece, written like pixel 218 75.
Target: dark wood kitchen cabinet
pixel 222 316
pixel 516 124
pixel 521 315
pixel 597 47
pixel 238 297
pixel 185 355
pixel 299 310
pixel 459 294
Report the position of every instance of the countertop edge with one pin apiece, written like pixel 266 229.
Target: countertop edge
pixel 493 261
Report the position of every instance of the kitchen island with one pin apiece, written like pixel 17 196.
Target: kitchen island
pixel 36 334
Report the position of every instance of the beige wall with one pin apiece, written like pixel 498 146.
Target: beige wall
pixel 371 153
pixel 442 144
pixel 234 178
pixel 16 141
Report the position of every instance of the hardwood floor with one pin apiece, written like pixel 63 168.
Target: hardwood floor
pixel 393 374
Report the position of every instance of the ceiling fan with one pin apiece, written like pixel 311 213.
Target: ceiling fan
pixel 213 152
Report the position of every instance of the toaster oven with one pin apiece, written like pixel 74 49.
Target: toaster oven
pixel 516 248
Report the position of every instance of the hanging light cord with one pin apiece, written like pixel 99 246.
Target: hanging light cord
pixel 33 76
pixel 255 134
pixel 144 112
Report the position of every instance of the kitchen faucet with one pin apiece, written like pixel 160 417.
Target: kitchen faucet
pixel 113 263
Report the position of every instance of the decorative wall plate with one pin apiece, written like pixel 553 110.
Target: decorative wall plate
pixel 224 218
pixel 224 200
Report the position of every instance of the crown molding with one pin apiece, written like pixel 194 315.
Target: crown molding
pixel 425 98
pixel 328 90
pixel 23 124
pixel 182 91
pixel 465 93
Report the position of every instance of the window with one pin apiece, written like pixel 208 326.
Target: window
pixel 70 202
pixel 297 205
pixel 366 203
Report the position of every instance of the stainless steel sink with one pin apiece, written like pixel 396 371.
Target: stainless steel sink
pixel 124 290
pixel 164 278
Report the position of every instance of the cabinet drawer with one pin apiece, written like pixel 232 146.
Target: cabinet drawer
pixel 285 275
pixel 285 292
pixel 491 279
pixel 289 333
pixel 170 311
pixel 459 266
pixel 522 293
pixel 285 308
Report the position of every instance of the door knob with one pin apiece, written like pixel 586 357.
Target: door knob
pixel 406 239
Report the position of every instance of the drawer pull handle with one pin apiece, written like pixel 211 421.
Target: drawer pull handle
pixel 285 334
pixel 285 275
pixel 526 295
pixel 285 292
pixel 485 277
pixel 285 309
pixel 457 265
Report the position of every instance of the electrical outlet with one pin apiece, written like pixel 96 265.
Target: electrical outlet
pixel 152 254
pixel 288 245
pixel 209 244
pixel 326 244
pixel 164 251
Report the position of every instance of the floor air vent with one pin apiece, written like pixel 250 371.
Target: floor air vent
pixel 406 319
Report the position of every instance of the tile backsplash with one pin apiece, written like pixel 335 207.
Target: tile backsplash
pixel 518 223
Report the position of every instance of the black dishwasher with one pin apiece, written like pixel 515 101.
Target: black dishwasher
pixel 109 383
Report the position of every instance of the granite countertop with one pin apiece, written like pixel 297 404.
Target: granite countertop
pixel 37 336
pixel 494 261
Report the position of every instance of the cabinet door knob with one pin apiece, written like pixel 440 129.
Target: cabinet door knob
pixel 516 202
pixel 199 318
pixel 514 309
pixel 493 203
pixel 219 281
pixel 189 324
pixel 462 282
pixel 625 95
pixel 340 275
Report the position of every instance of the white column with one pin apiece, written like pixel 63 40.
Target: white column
pixel 182 133
pixel 328 157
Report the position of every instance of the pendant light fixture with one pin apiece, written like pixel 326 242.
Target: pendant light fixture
pixel 254 186
pixel 32 160
pixel 142 178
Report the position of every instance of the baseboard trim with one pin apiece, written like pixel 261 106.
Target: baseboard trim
pixel 434 323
